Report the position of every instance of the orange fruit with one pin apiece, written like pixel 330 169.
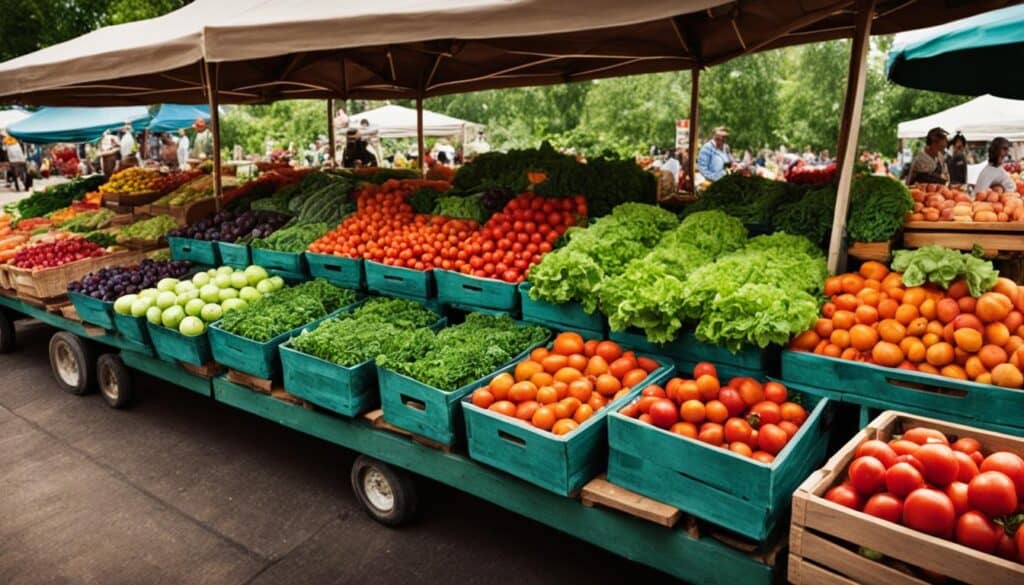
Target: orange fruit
pixel 968 339
pixel 887 308
pixel 547 395
pixel 946 310
pixel 914 350
pixel 542 379
pixel 500 384
pixel 846 302
pixel 806 341
pixel 874 270
pixel 843 319
pixel 525 410
pixel 928 308
pixel 993 306
pixel 566 407
pixel 940 354
pixel 567 375
pixel 544 418
pixel 927 368
pixel 565 426
pixel 1013 344
pixel 862 337
pixel 522 392
pixel 997 334
pixel 917 327
pixel 1007 376
pixel 716 412
pixel 828 309
pixel 685 429
pixel 953 371
pixel 590 347
pixel 824 327
pixel 892 330
pixel 935 327
pixel 581 389
pixel 869 297
pixel 692 411
pixel 524 370
pixel 583 413
pixel 596 366
pixel 607 385
pixel 852 283
pixel 833 286
pixel 974 367
pixel 886 353
pixel 914 296
pixel 1014 320
pixel 554 362
pixel 992 355
pixel 967 304
pixel 866 315
pixel 634 378
pixel 841 338
pixel 483 398
pixel 930 339
pixel 597 401
pixel 609 350
pixel 708 386
pixel 578 361
pixel 621 367
pixel 688 390
pixel 539 354
pixel 849 353
pixel 906 313
pixel 568 343
pixel 504 407
pixel 832 350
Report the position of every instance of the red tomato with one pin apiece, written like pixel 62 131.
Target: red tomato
pixel 885 506
pixel 929 511
pixel 973 529
pixel 732 400
pixel 966 445
pixel 913 461
pixel 922 435
pixel 1010 464
pixel 903 446
pixel 993 493
pixel 967 467
pixel 737 429
pixel 957 492
pixel 867 474
pixel 903 478
pixel 767 413
pixel 771 438
pixel 704 368
pixel 879 450
pixel 845 495
pixel 1007 547
pixel 775 392
pixel 940 465
pixel 663 413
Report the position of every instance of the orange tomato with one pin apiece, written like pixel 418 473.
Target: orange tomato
pixel 526 409
pixel 940 354
pixel 581 389
pixel 567 375
pixel 712 434
pixel 583 413
pixel 685 429
pixel 843 319
pixel 609 350
pixel 607 385
pixel 750 390
pixel 578 361
pixel 741 449
pixel 840 338
pixel 565 426
pixel 596 366
pixel 806 341
pixel 793 412
pixel 500 384
pixel 716 412
pixel 866 315
pixel 504 407
pixel 887 308
pixel 892 330
pixel 597 401
pixel 688 390
pixel 692 411
pixel 566 407
pixel 539 354
pixel 647 364
pixel 775 392
pixel 886 353
pixel 862 337
pixel 568 343
pixel 547 395
pixel 525 370
pixel 874 270
pixel 634 378
pixel 544 418
pixel 708 386
pixel 554 362
pixel 590 347
pixel 522 391
pixel 621 367
pixel 852 283
pixel 483 398
pixel 906 313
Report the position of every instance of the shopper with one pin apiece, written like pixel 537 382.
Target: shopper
pixel 714 158
pixel 202 148
pixel 168 150
pixel 957 160
pixel 128 144
pixel 183 147
pixel 994 175
pixel 929 166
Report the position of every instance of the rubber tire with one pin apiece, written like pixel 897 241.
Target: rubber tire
pixel 403 489
pixel 84 357
pixel 8 338
pixel 110 367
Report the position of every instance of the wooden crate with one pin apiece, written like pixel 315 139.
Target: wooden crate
pixel 53 282
pixel 6 279
pixel 877 251
pixel 131 199
pixel 825 537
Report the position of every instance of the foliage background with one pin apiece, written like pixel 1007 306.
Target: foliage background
pixel 789 97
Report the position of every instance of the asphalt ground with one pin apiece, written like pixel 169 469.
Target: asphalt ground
pixel 180 489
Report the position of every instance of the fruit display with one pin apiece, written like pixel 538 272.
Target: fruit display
pixel 747 417
pixel 108 284
pixel 461 354
pixel 58 253
pixel 152 228
pixel 942 486
pixel 189 305
pixel 939 203
pixel 947 313
pixel 56 197
pixel 556 389
pixel 133 180
pixel 318 197
pixel 264 318
pixel 227 226
pixel 804 174
pixel 294 238
pixel 65 214
pixel 87 221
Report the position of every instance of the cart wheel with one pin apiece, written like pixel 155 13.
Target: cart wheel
pixel 387 493
pixel 7 336
pixel 115 380
pixel 71 360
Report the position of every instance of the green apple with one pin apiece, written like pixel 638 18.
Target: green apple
pixel 167 284
pixel 255 273
pixel 227 293
pixel 194 307
pixel 166 299
pixel 225 270
pixel 187 296
pixel 123 305
pixel 172 316
pixel 249 294
pixel 148 293
pixel 265 286
pixel 140 306
pixel 238 280
pixel 232 305
pixel 191 326
pixel 277 282
pixel 210 293
pixel 201 279
pixel 222 281
pixel 184 286
pixel 153 315
pixel 211 312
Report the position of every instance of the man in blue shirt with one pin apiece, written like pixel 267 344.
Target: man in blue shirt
pixel 714 158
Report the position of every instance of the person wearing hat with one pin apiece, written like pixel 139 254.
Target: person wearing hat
pixel 714 158
pixel 929 166
pixel 994 175
pixel 203 146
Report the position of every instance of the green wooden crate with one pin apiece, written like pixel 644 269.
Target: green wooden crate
pixel 470 292
pixel 638 341
pixel 686 349
pixel 198 251
pixel 95 311
pixel 427 411
pixel 725 372
pixel 715 484
pixel 288 265
pixel 397 281
pixel 561 464
pixel 132 328
pixel 567 316
pixel 173 346
pixel 897 389
pixel 234 255
pixel 338 270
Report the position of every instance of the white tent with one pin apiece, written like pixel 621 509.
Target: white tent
pixel 980 119
pixel 8 117
pixel 397 122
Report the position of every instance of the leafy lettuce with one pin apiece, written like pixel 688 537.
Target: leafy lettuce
pixel 757 314
pixel 942 266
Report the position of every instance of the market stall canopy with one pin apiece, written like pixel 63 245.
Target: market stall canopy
pixel 393 121
pixel 973 56
pixel 8 117
pixel 173 117
pixel 267 50
pixel 980 119
pixel 76 124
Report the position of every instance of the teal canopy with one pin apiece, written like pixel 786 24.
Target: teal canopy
pixel 76 124
pixel 972 56
pixel 173 117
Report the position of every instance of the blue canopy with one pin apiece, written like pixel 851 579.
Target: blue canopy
pixel 173 117
pixel 76 124
pixel 972 56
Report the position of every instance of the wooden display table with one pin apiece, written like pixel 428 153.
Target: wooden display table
pixel 994 237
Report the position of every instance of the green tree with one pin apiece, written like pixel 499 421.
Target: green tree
pixel 811 95
pixel 743 94
pixel 121 11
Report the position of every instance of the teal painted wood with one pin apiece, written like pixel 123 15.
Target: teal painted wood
pixel 893 388
pixel 75 327
pixel 168 372
pixel 404 282
pixel 349 391
pixel 95 311
pixel 285 264
pixel 173 346
pixel 470 292
pixel 686 349
pixel 560 464
pixel 234 255
pixel 697 560
pixel 567 316
pixel 876 406
pixel 346 272
pixel 133 328
pixel 198 251
pixel 717 485
pixel 639 342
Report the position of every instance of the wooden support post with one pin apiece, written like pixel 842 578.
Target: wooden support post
pixel 694 115
pixel 144 149
pixel 330 133
pixel 849 131
pixel 212 89
pixel 422 155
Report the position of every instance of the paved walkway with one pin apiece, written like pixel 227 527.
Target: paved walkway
pixel 180 489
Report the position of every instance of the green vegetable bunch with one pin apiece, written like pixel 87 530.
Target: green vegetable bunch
pixel 295 237
pixel 153 228
pixel 749 199
pixel 461 207
pixel 374 328
pixel 288 309
pixel 877 208
pixel 942 266
pixel 461 354
pixel 757 314
pixel 57 197
pixel 88 221
pixel 714 232
pixel 811 216
pixel 103 239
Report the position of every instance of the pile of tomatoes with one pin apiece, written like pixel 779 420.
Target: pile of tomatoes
pixel 558 389
pixel 872 317
pixel 57 253
pixel 953 491
pixel 385 229
pixel 747 417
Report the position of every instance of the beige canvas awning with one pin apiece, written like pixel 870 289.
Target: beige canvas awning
pixel 279 49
